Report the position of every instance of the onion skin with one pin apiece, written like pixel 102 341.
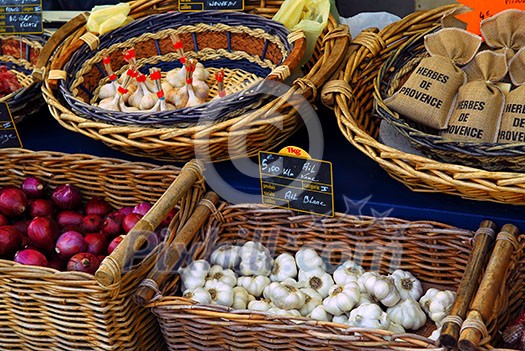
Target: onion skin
pixel 83 262
pixel 67 197
pixel 69 244
pixel 91 223
pixel 13 202
pixel 41 208
pixel 69 218
pixel 96 244
pixel 11 240
pixel 33 187
pixel 97 206
pixel 112 225
pixel 129 221
pixel 43 232
pixel 114 243
pixel 31 257
pixel 142 208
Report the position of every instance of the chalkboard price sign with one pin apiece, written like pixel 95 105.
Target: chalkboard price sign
pixel 21 17
pixel 8 134
pixel 207 5
pixel 301 184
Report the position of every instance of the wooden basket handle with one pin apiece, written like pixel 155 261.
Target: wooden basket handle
pixel 39 71
pixel 110 269
pixel 171 255
pixel 292 61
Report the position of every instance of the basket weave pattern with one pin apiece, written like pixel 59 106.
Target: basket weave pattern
pixel 352 97
pixel 435 253
pixel 44 309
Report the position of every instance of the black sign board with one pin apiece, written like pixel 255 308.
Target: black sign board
pixel 207 5
pixel 21 17
pixel 8 134
pixel 301 184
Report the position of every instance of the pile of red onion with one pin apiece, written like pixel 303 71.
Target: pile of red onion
pixel 57 229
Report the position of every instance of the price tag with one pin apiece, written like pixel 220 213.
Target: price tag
pixel 482 9
pixel 207 5
pixel 21 17
pixel 8 133
pixel 297 183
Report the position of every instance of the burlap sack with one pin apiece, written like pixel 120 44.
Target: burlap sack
pixel 428 94
pixel 512 128
pixel 479 104
pixel 505 31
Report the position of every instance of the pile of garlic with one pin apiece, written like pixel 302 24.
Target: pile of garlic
pixel 133 91
pixel 247 277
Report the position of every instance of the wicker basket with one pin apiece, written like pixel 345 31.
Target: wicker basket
pixel 352 97
pixel 489 156
pixel 436 253
pixel 261 127
pixel 19 54
pixel 44 309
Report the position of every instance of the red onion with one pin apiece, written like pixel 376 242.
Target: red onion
pixel 69 244
pixel 69 218
pixel 142 208
pixel 114 243
pixel 169 217
pixel 126 210
pixel 56 262
pixel 129 221
pixel 3 220
pixel 97 206
pixel 41 208
pixel 101 258
pixel 13 201
pixel 91 223
pixel 96 243
pixel 31 257
pixel 83 262
pixel 33 187
pixel 43 231
pixel 67 196
pixel 10 241
pixel 112 225
pixel 22 225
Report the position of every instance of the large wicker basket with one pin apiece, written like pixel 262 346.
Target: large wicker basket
pixel 352 97
pixel 44 309
pixel 436 253
pixel 20 54
pixel 262 127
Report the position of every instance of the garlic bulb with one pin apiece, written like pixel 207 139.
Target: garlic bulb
pixel 241 297
pixel 177 77
pixel 220 293
pixel 317 279
pixel 260 305
pixel 200 295
pixel 194 275
pixel 201 73
pixel 283 267
pixel 312 299
pixel 193 99
pixel 255 259
pixel 147 101
pixel 380 288
pixel 286 296
pixel 437 304
pixel 408 314
pixel 342 319
pixel 201 89
pixel 226 276
pixel 283 312
pixel 319 313
pixel 342 298
pixel 369 316
pixel 226 256
pixel 407 285
pixel 178 97
pixel 308 259
pixel 142 90
pixel 254 285
pixel 348 272
pixel 107 90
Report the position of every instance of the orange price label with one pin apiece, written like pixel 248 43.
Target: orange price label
pixel 482 9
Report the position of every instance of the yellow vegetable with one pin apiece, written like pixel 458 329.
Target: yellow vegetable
pixel 106 18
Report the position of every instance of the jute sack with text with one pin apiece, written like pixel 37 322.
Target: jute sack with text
pixel 512 128
pixel 428 94
pixel 505 31
pixel 476 114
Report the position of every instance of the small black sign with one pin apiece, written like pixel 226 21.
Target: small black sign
pixel 208 5
pixel 21 17
pixel 8 134
pixel 301 184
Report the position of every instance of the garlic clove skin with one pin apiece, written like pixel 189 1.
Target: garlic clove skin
pixel 221 294
pixel 241 297
pixel 283 267
pixel 201 73
pixel 284 312
pixel 226 256
pixel 193 99
pixel 178 97
pixel 408 314
pixel 200 295
pixel 319 313
pixel 342 319
pixel 407 284
pixel 308 259
pixel 254 285
pixel 348 272
pixel 148 101
pixel 107 91
pixel 369 316
pixel 177 77
pixel 317 279
pixel 201 90
pixel 194 275
pixel 312 300
pixel 260 305
pixel 342 298
pixel 226 276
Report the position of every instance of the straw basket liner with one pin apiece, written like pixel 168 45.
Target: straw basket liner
pixel 489 156
pixel 242 133
pixel 352 97
pixel 435 253
pixel 19 54
pixel 44 309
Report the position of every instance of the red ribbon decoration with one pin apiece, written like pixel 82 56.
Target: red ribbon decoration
pixel 122 90
pixel 113 77
pixel 129 54
pixel 160 94
pixel 177 45
pixel 132 73
pixel 106 60
pixel 141 78
pixel 155 75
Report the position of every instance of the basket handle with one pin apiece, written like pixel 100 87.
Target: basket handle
pixel 110 269
pixel 55 41
pixel 292 61
pixel 171 255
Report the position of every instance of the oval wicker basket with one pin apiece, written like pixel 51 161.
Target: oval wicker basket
pixel 488 156
pixel 434 252
pixel 44 309
pixel 260 128
pixel 20 54
pixel 352 97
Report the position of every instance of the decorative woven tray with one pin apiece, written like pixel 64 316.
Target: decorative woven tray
pixel 434 252
pixel 352 97
pixel 19 54
pixel 44 309
pixel 260 128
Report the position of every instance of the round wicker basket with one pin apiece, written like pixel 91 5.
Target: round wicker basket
pixel 352 97
pixel 260 128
